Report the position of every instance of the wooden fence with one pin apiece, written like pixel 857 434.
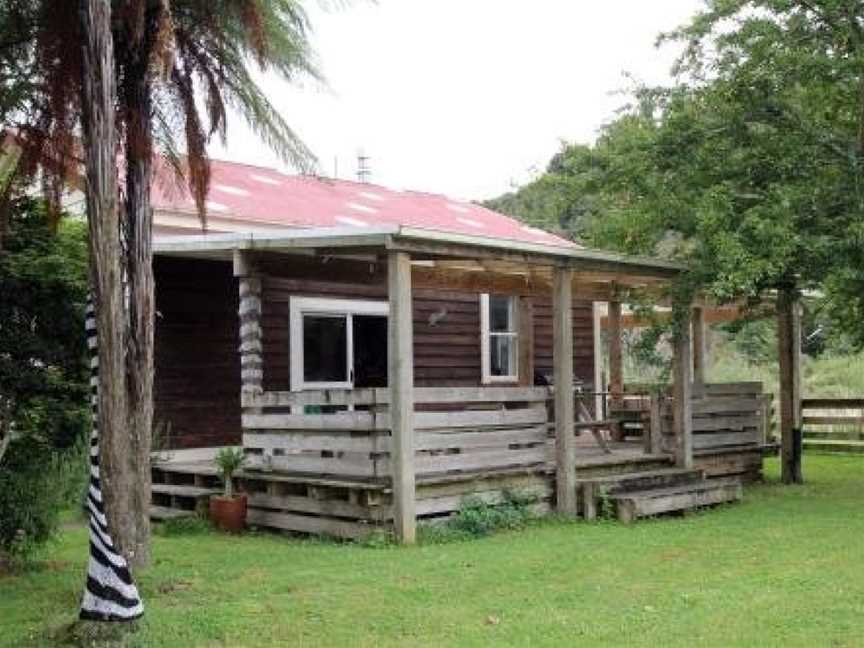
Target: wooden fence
pixel 833 424
pixel 347 433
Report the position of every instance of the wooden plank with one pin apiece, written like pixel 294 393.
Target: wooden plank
pixel 319 397
pixel 512 479
pixel 702 441
pixel 400 371
pixel 525 323
pixel 489 438
pixel 682 403
pixel 162 513
pixel 645 506
pixel 292 442
pixel 750 388
pixel 562 334
pixel 731 423
pixel 733 389
pixel 344 465
pixel 296 442
pixel 309 524
pixel 331 507
pixel 616 365
pixel 423 395
pixel 832 403
pixel 720 405
pixel 480 460
pixel 655 429
pixel 360 421
pixel 178 490
pixel 833 420
pixel 511 417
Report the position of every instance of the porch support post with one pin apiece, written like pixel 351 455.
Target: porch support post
pixel 525 322
pixel 562 356
pixel 789 356
pixel 251 348
pixel 699 349
pixel 400 363
pixel 616 366
pixel 682 395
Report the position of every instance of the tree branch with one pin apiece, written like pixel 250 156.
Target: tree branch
pixel 5 440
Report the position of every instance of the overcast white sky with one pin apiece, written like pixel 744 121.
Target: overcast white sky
pixel 465 97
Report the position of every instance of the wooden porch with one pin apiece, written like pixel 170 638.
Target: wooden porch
pixel 344 461
pixel 352 507
pixel 329 472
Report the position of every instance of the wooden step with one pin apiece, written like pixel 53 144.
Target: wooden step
pixel 633 505
pixel 162 513
pixel 595 489
pixel 645 479
pixel 175 490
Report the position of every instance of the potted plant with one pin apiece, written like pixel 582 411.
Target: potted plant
pixel 228 511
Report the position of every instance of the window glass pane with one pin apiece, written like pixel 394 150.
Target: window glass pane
pixel 501 313
pixel 325 347
pixel 370 351
pixel 503 355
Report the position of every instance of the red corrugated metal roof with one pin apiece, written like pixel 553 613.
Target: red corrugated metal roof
pixel 261 195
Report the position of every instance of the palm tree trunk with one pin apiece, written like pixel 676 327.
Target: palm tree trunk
pixel 106 270
pixel 139 267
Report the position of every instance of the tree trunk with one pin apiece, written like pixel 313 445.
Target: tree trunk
pixel 139 267
pixel 106 270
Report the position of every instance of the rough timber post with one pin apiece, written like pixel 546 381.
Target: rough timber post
pixel 525 322
pixel 699 349
pixel 400 364
pixel 616 366
pixel 682 396
pixel 789 357
pixel 251 364
pixel 562 354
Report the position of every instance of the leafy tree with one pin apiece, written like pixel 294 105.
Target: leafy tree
pixel 750 167
pixel 43 375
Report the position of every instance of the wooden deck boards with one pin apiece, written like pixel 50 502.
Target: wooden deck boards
pixel 352 507
pixel 587 455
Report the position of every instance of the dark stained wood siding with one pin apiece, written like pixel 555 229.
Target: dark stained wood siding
pixel 446 351
pixel 197 380
pixel 583 339
pixel 197 363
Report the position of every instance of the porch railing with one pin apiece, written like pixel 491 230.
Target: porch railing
pixel 347 433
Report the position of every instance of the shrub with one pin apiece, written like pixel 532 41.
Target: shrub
pixel 43 375
pixel 36 483
pixel 477 517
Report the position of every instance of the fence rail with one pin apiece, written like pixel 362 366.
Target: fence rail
pixel 833 424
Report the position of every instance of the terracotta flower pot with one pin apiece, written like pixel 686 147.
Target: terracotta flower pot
pixel 228 514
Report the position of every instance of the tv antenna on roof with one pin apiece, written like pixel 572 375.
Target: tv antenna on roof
pixel 364 171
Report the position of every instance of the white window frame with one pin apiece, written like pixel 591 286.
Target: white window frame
pixel 485 334
pixel 301 306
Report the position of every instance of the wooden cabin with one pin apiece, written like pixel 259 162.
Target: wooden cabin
pixel 377 367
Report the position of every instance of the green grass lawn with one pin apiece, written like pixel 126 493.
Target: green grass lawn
pixel 786 567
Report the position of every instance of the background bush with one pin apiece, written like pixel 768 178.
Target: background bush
pixel 44 412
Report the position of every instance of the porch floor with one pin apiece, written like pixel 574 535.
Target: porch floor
pixel 588 455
